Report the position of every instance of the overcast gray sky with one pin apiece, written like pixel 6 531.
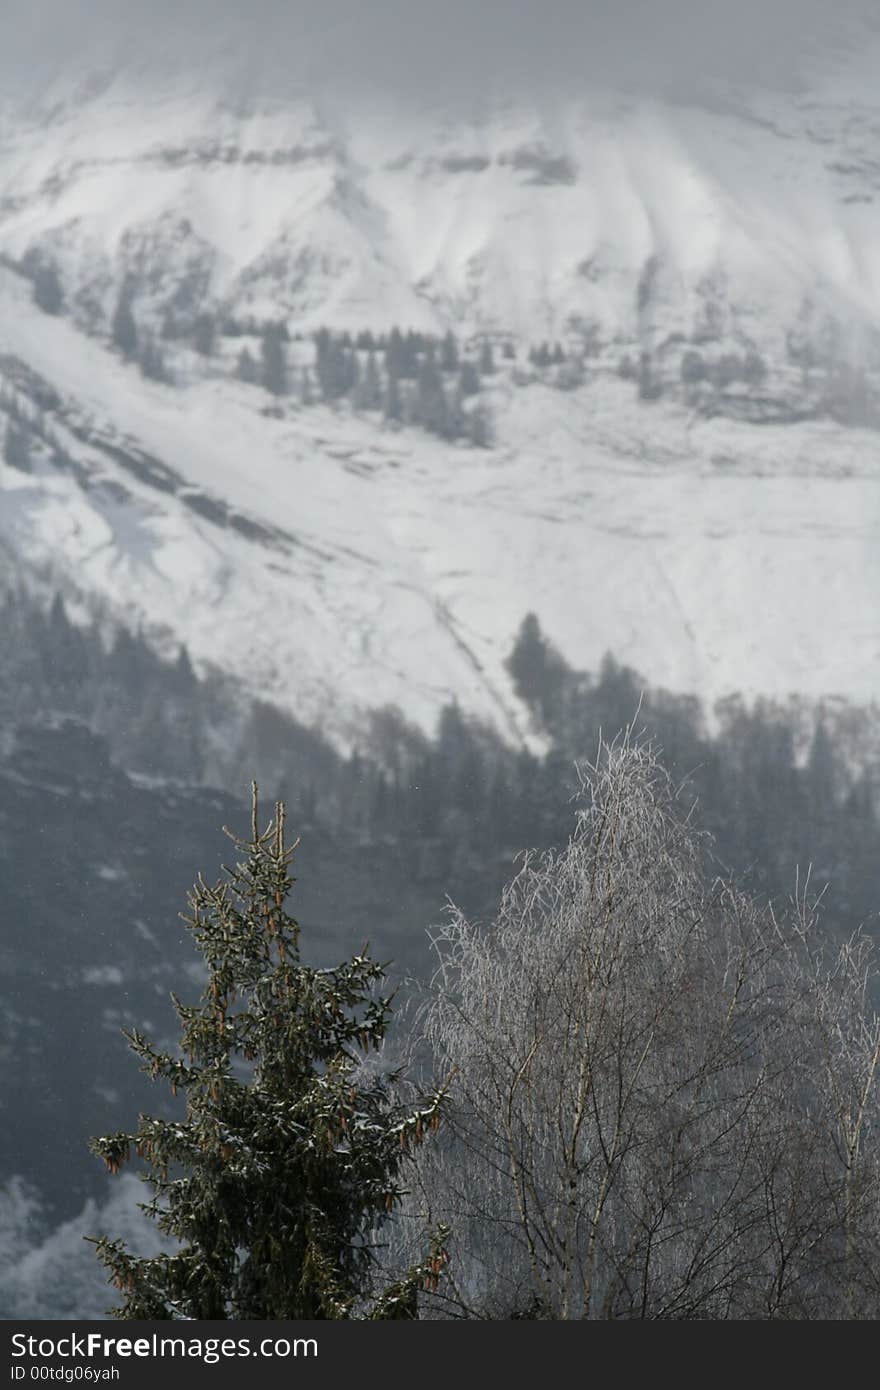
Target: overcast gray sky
pixel 449 44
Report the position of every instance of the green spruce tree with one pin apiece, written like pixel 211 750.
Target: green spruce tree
pixel 274 1187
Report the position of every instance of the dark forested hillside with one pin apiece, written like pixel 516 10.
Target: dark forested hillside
pixel 118 769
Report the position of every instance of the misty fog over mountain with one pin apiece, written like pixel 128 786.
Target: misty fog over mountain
pixel 453 49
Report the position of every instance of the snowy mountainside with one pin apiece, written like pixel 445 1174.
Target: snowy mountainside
pixel 337 564
pixel 702 498
pixel 635 220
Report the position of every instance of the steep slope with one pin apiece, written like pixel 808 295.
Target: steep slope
pixel 707 268
pixel 633 217
pixel 337 564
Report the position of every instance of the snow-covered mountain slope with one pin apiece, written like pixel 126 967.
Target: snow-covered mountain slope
pixel 337 561
pixel 747 214
pixel 338 564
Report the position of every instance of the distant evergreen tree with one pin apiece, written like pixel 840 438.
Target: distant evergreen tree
pixel 372 383
pixel 336 366
pixel 650 388
pixel 693 368
pixel 274 359
pixel 487 360
pixel 727 370
pixel 151 360
pixel 48 294
pixel 17 448
pixel 848 396
pixel 537 670
pixel 432 411
pixel 395 354
pixel 617 688
pixel 183 678
pixel 246 368
pixel 480 427
pixel 825 783
pixel 569 373
pixel 368 389
pixel 351 372
pixel 449 353
pixel 754 368
pixel 413 347
pixel 457 420
pixel 66 656
pixel 468 379
pixel 393 398
pixel 124 328
pixel 205 334
pixel 129 665
pixel 288 1163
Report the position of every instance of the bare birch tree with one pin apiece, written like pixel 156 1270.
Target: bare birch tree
pixel 665 1098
